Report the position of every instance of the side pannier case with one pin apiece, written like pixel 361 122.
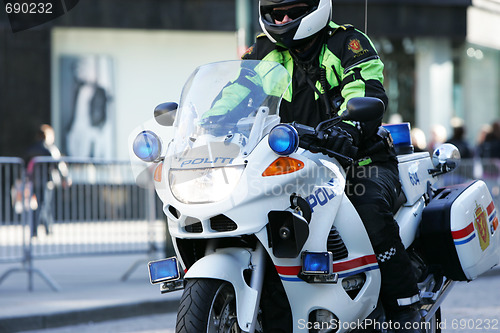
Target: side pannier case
pixel 459 231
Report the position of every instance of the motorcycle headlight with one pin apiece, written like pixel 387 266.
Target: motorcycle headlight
pixel 204 185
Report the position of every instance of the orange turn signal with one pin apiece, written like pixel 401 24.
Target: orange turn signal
pixel 282 166
pixel 157 174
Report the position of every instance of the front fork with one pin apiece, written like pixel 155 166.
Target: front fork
pixel 256 282
pixel 229 264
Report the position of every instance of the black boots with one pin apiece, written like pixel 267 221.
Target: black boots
pixel 408 320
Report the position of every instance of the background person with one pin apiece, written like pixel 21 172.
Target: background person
pixel 458 139
pixel 418 140
pixel 42 178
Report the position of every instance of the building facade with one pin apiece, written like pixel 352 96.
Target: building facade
pixel 442 61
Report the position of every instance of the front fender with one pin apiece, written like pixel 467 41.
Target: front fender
pixel 228 264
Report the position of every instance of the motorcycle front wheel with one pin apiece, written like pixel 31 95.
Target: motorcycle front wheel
pixel 208 306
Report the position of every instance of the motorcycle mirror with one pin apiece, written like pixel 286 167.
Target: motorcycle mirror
pixel 364 109
pixel 446 157
pixel 165 113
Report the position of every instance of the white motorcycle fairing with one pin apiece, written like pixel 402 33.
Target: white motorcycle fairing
pixel 196 155
pixel 330 206
pixel 228 265
pixel 228 196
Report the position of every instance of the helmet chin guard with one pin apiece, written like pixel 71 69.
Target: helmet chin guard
pixel 294 33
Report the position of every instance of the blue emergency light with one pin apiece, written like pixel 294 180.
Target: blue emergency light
pixel 283 139
pixel 317 263
pixel 163 270
pixel 147 146
pixel 400 134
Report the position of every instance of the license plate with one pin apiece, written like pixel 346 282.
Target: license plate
pixel 163 270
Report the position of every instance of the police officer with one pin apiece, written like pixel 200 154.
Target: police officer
pixel 329 65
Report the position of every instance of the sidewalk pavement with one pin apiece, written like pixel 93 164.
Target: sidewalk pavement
pixel 91 290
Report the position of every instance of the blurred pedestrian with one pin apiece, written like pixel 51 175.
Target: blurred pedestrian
pixel 490 147
pixel 40 147
pixel 438 136
pixel 42 178
pixel 395 118
pixel 481 136
pixel 418 140
pixel 458 138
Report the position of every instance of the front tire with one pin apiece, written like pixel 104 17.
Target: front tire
pixel 208 306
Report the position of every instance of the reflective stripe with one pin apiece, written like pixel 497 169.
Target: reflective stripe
pixel 375 57
pixel 409 300
pixel 286 60
pixel 365 161
pixel 272 86
pixel 330 62
pixel 232 95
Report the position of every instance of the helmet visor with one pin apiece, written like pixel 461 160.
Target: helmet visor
pixel 278 14
pixel 274 14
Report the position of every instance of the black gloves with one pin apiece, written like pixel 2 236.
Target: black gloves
pixel 339 141
pixel 334 139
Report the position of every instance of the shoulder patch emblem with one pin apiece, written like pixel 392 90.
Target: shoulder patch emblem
pixel 248 51
pixel 355 46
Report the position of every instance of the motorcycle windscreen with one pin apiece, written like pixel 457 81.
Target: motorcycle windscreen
pixel 231 102
pixel 226 109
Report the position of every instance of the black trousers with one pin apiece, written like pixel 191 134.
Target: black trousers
pixel 373 190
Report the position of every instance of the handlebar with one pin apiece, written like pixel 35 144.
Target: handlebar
pixel 358 109
pixel 318 135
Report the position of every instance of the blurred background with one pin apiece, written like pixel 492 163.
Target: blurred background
pixel 442 62
pixel 92 75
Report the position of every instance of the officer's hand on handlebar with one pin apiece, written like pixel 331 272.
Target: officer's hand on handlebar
pixel 338 140
pixel 334 139
pixel 309 142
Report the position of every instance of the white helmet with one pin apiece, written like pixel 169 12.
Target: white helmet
pixel 306 20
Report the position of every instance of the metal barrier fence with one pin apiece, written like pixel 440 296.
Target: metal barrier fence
pixel 13 236
pixel 74 207
pixel 487 169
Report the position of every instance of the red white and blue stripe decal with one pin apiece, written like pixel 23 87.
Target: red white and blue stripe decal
pixel 355 266
pixel 342 268
pixel 492 217
pixel 465 235
pixel 289 273
pixel 492 214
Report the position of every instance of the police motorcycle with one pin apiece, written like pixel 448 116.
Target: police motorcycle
pixel 255 220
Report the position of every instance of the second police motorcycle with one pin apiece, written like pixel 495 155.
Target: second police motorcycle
pixel 258 222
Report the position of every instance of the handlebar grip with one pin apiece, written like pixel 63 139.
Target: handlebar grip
pixel 345 161
pixel 303 129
